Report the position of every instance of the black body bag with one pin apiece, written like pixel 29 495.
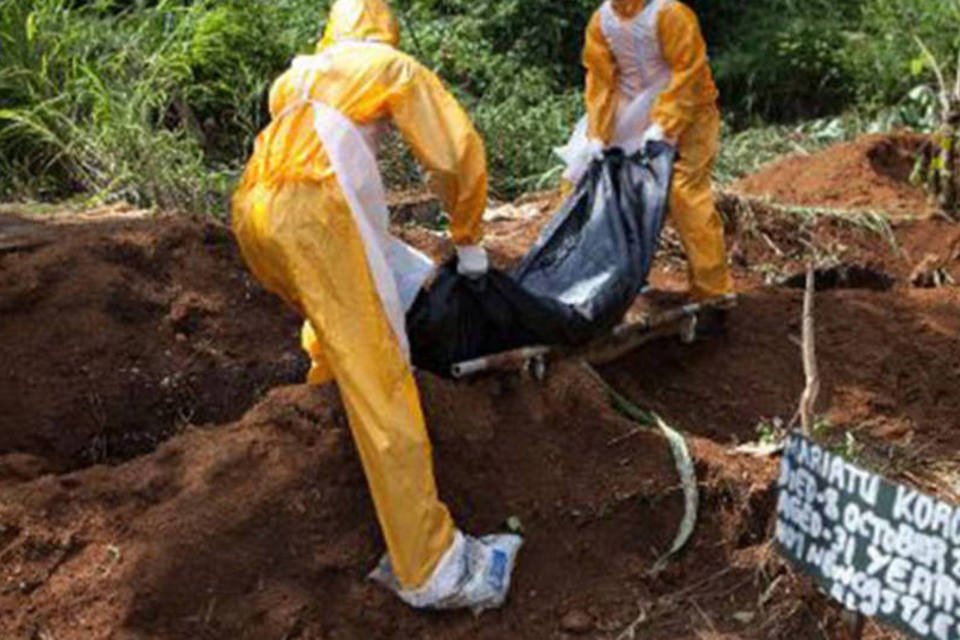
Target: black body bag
pixel 576 283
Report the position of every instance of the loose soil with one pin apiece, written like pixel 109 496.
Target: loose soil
pixel 216 511
pixel 113 334
pixel 869 173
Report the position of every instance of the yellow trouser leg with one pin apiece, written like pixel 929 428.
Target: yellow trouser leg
pixel 693 212
pixel 302 242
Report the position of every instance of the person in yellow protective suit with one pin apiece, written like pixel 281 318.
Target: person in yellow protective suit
pixel 311 219
pixel 648 79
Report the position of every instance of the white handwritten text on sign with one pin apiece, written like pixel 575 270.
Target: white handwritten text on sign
pixel 885 550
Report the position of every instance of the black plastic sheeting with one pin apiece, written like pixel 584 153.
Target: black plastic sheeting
pixel 576 283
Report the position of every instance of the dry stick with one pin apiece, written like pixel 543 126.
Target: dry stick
pixel 852 620
pixel 808 400
pixel 630 633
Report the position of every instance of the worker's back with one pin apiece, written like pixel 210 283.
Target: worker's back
pixel 358 79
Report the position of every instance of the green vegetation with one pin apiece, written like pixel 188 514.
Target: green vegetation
pixel 158 102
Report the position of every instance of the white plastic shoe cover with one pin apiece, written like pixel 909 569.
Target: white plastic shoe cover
pixel 474 573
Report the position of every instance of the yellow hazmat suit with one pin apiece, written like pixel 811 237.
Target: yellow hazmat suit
pixel 310 219
pixel 648 77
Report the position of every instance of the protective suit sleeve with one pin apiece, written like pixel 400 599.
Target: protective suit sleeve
pixel 601 91
pixel 685 52
pixel 279 95
pixel 448 146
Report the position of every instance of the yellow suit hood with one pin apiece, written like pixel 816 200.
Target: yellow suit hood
pixel 368 20
pixel 628 9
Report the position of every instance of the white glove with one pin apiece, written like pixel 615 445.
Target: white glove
pixel 595 148
pixel 474 573
pixel 654 133
pixel 472 260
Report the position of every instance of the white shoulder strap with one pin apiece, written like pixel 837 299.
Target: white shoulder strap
pixel 652 11
pixel 362 187
pixel 304 67
pixel 608 20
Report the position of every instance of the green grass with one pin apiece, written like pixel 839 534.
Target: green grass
pixel 102 104
pixel 743 152
pixel 158 102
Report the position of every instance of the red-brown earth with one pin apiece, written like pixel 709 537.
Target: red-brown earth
pixel 163 476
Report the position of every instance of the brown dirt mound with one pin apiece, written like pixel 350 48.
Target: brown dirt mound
pixel 115 334
pixel 870 173
pixel 263 528
pixel 888 363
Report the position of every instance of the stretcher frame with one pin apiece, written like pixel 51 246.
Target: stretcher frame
pixel 631 334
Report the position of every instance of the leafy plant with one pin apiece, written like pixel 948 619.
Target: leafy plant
pixel 882 58
pixel 782 59
pixel 939 165
pixel 771 431
pixel 159 101
pixel 843 444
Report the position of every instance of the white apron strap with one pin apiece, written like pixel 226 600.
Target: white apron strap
pixel 362 187
pixel 633 118
pixel 398 270
pixel 633 114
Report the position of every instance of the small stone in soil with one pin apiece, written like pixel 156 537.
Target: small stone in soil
pixel 577 622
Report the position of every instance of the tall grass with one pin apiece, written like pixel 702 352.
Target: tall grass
pixel 150 104
pixel 158 101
